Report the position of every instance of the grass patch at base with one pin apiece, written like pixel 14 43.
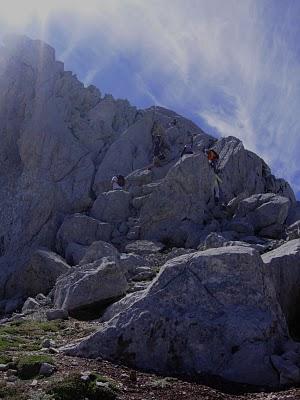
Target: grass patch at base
pixel 73 387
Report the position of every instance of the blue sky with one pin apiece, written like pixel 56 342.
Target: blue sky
pixel 231 66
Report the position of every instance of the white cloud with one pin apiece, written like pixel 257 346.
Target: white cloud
pixel 231 60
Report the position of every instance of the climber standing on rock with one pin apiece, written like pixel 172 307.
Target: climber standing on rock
pixel 158 145
pixel 188 148
pixel 213 158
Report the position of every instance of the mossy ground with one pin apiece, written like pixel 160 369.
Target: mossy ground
pixel 116 379
pixel 73 387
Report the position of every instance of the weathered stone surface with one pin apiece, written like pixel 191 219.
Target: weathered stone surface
pixel 211 312
pixel 112 206
pixel 81 229
pixel 213 240
pixel 283 264
pixel 266 212
pixel 130 262
pixel 293 231
pixel 30 305
pixel 294 213
pixel 57 313
pixel 99 250
pixel 41 273
pixel 90 285
pixel 74 253
pixel 144 247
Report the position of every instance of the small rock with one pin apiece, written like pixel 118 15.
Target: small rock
pixel 57 313
pixel 144 247
pixel 30 305
pixel 52 350
pixel 12 378
pixel 3 367
pixel 11 372
pixel 47 369
pixel 34 382
pixel 48 343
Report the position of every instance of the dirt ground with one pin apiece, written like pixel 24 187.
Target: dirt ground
pixel 27 337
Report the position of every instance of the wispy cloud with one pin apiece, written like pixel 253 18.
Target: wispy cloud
pixel 235 64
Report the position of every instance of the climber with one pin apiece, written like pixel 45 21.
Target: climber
pixel 158 154
pixel 188 148
pixel 118 182
pixel 213 158
pixel 216 188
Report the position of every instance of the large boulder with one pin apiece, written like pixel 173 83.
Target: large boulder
pixel 212 312
pixel 283 264
pixel 267 213
pixel 183 196
pixel 90 286
pixel 83 230
pixel 112 206
pixel 42 271
pixel 242 171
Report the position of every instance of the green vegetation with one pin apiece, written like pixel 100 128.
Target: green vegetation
pixel 31 328
pixel 9 342
pixel 22 334
pixel 73 387
pixel 29 366
pixel 4 359
pixel 10 393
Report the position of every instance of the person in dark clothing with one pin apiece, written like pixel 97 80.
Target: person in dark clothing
pixel 188 149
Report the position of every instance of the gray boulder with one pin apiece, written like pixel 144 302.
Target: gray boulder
pixel 91 285
pixel 74 253
pixel 57 313
pixel 41 273
pixel 294 213
pixel 83 230
pixel 211 312
pixel 144 247
pixel 30 305
pixel 293 231
pixel 112 206
pixel 99 250
pixel 283 265
pixel 267 213
pixel 129 263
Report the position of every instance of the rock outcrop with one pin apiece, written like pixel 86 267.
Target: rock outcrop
pixel 283 264
pixel 90 285
pixel 213 312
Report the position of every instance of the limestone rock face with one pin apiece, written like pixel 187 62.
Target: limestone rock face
pixel 89 285
pixel 54 133
pixel 283 264
pixel 212 312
